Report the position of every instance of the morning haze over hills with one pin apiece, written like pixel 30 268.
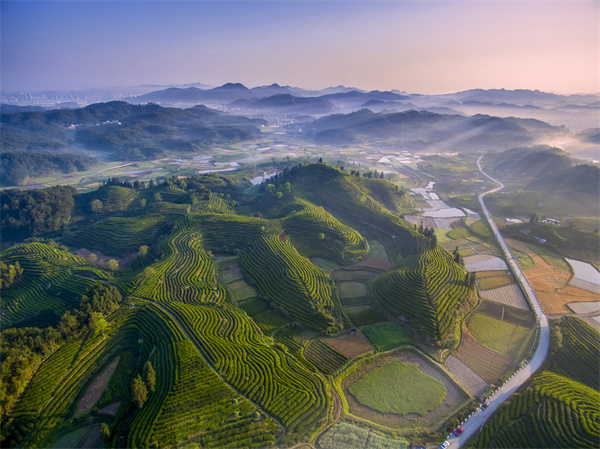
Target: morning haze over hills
pixel 407 258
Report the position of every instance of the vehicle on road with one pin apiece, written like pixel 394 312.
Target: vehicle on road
pixel 484 406
pixel 445 444
pixel 458 431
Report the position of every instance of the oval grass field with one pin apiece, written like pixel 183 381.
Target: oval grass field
pixel 399 388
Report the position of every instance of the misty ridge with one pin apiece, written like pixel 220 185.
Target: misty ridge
pixel 64 132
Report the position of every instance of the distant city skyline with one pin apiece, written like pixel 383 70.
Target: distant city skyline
pixel 419 47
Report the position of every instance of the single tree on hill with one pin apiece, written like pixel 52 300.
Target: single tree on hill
pixel 113 265
pixel 139 391
pixel 150 376
pixel 97 205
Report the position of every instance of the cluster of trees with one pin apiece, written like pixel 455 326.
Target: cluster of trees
pixel 428 232
pixel 23 350
pixel 112 264
pixel 458 258
pixel 140 386
pixel 368 174
pixel 470 279
pixel 9 274
pixel 17 166
pixel 35 212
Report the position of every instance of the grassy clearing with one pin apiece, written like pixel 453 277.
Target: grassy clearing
pixel 325 264
pixel 413 392
pixel 506 338
pixel 364 315
pixel 344 436
pixel 352 289
pixel 377 250
pixel 385 336
pixel 442 235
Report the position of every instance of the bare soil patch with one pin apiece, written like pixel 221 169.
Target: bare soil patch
pixel 283 236
pixel 453 400
pixel 96 389
pixel 111 409
pixel 350 345
pixel 103 259
pixel 378 264
pixel 511 315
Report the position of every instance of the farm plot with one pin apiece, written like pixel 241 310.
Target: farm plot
pixel 466 376
pixel 345 436
pixel 502 279
pixel 398 388
pixel 549 275
pixel 241 290
pixel 585 271
pixel 487 363
pixel 228 272
pixel 510 295
pixel 385 336
pixel 520 317
pixel 352 289
pixel 585 307
pixel 505 338
pixel 364 315
pixel 452 395
pixel 484 262
pixel 324 357
pixel 350 345
pixel 94 392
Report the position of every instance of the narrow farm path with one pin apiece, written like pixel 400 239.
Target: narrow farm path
pixel 477 420
pixel 185 332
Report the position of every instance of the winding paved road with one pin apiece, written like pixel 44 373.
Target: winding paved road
pixel 476 421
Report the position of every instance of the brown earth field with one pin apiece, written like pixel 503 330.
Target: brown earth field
pixel 124 262
pixel 550 284
pixel 350 345
pixel 489 364
pixel 96 389
pixel 455 396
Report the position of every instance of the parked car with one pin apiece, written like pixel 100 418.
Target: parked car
pixel 484 406
pixel 445 444
pixel 458 431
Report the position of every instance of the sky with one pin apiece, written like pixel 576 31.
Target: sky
pixel 413 46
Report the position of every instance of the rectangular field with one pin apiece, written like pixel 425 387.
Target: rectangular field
pixel 488 364
pixel 352 289
pixel 520 317
pixel 509 295
pixel 350 345
pixel 466 376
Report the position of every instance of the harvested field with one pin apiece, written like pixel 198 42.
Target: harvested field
pixel 493 273
pixel 484 262
pixel 342 275
pixel 520 317
pixel 352 289
pixel 495 282
pixel 488 364
pixel 509 295
pixel 455 397
pixel 96 389
pixel 350 345
pixel 468 378
pixel 549 276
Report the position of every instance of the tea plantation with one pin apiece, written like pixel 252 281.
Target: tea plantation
pixel 206 329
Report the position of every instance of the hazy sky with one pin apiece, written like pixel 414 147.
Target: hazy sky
pixel 419 47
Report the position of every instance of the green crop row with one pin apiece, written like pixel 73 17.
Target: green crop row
pixel 324 357
pixel 274 380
